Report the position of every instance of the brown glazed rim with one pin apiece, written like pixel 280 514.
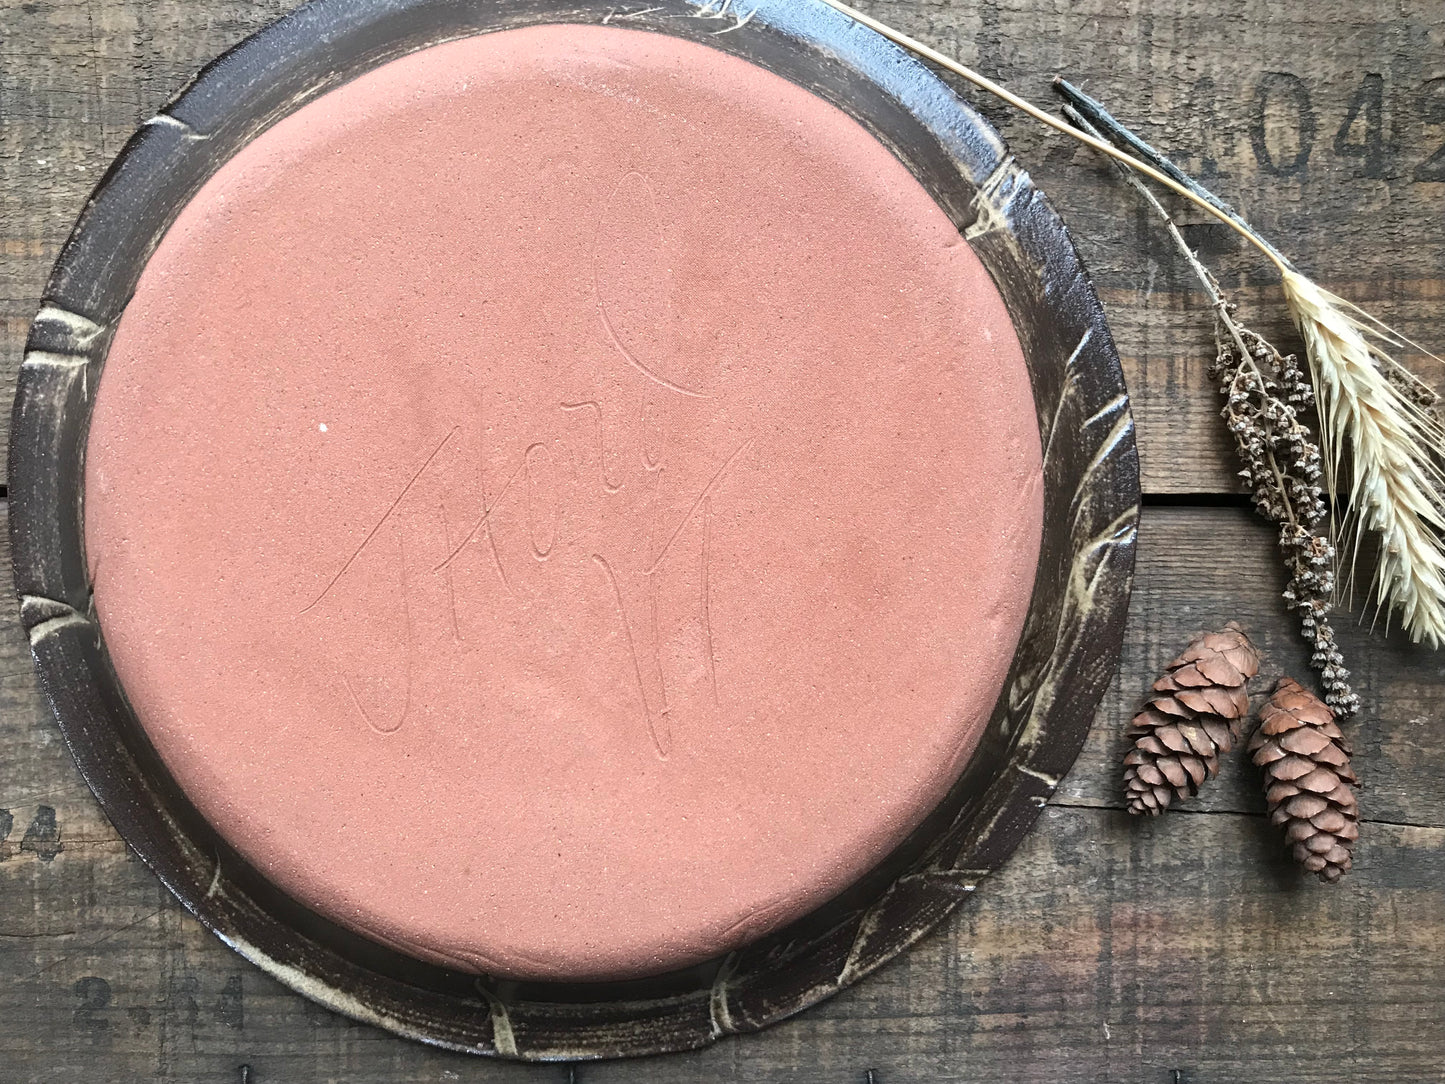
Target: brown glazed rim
pixel 1065 659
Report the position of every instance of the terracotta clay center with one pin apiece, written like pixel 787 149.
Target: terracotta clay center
pixel 564 503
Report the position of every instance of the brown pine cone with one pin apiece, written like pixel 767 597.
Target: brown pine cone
pixel 1194 714
pixel 1309 783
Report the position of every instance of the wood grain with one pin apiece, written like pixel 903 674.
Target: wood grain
pixel 1107 949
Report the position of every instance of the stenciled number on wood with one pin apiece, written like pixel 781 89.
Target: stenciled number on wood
pixel 95 1004
pixel 1366 111
pixel 1285 125
pixel 93 993
pixel 1283 91
pixel 1432 111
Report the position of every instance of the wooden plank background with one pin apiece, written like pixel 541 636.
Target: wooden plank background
pixel 1180 950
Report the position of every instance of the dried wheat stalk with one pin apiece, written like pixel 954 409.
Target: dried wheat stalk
pixel 1392 446
pixel 1372 411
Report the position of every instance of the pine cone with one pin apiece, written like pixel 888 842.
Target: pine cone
pixel 1193 715
pixel 1309 783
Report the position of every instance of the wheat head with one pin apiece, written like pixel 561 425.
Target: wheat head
pixel 1388 445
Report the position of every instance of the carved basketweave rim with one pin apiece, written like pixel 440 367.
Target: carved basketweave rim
pixel 1065 659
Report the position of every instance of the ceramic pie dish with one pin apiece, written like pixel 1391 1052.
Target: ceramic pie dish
pixel 671 458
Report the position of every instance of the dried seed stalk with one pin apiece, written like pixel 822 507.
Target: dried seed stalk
pixel 1264 392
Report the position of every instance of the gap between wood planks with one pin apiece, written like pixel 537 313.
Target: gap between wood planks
pixel 574 1076
pixel 1209 499
pixel 1102 808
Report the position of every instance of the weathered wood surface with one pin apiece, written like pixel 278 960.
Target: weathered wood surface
pixel 1107 950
